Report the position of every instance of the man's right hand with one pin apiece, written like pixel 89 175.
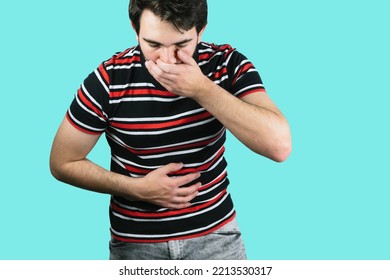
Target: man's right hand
pixel 68 163
pixel 159 188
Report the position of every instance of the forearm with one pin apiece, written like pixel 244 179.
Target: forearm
pixel 255 121
pixel 261 129
pixel 90 176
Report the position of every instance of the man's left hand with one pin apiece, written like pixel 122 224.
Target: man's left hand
pixel 184 79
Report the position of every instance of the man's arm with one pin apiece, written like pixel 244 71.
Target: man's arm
pixel 254 119
pixel 68 163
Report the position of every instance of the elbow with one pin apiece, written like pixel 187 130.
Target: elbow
pixel 282 146
pixel 282 153
pixel 280 150
pixel 56 170
pixel 283 149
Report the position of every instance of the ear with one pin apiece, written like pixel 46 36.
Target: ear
pixel 200 34
pixel 135 31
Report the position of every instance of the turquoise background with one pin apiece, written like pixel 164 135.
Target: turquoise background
pixel 326 65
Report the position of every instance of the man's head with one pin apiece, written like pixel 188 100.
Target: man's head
pixel 164 27
pixel 183 14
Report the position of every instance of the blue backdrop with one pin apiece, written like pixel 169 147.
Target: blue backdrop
pixel 325 64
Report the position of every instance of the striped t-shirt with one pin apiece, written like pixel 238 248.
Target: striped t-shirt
pixel 148 127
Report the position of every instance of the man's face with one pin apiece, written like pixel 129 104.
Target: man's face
pixel 161 40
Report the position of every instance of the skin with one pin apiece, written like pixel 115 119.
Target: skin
pixel 168 51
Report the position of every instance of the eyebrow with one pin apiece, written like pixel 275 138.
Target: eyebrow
pixel 158 43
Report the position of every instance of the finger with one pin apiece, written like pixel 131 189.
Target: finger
pixel 172 69
pixel 153 68
pixel 177 206
pixel 183 180
pixel 189 192
pixel 164 78
pixel 170 168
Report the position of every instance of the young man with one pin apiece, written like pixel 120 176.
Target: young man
pixel 164 106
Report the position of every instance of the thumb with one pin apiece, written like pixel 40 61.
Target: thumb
pixel 186 58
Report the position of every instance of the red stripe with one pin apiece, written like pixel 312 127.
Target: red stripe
pixel 163 125
pixel 104 74
pixel 88 103
pixel 242 70
pixel 205 56
pixel 142 171
pixel 80 128
pixel 203 167
pixel 252 91
pixel 123 61
pixel 176 148
pixel 146 91
pixel 173 213
pixel 225 48
pixel 124 239
pixel 125 52
pixel 214 182
pixel 165 150
pixel 184 171
pixel 220 73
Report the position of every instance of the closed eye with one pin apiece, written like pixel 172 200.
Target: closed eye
pixel 181 45
pixel 154 46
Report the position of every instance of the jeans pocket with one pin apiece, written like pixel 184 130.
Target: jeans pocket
pixel 117 244
pixel 230 228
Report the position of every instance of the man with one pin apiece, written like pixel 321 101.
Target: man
pixel 164 106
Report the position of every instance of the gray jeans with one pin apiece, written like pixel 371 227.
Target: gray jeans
pixel 223 244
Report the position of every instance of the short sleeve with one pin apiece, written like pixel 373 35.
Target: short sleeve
pixel 244 77
pixel 88 110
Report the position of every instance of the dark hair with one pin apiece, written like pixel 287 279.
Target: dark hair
pixel 183 14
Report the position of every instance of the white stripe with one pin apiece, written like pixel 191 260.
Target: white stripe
pixel 83 124
pixel 174 234
pixel 184 152
pixel 208 61
pixel 122 160
pixel 187 165
pixel 206 161
pixel 132 208
pixel 249 71
pixel 131 85
pixel 229 57
pixel 209 48
pixel 125 66
pixel 221 80
pixel 101 80
pixel 201 193
pixel 132 52
pixel 93 100
pixel 121 165
pixel 187 142
pixel 214 165
pixel 212 188
pixel 218 68
pixel 181 152
pixel 190 215
pixel 146 99
pixel 124 206
pixel 159 132
pixel 248 87
pixel 88 110
pixel 240 65
pixel 159 118
pixel 121 143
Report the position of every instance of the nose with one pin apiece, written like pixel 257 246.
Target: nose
pixel 169 55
